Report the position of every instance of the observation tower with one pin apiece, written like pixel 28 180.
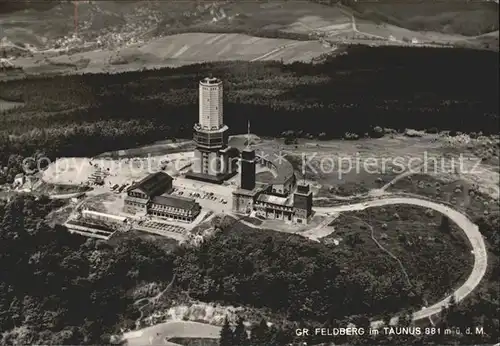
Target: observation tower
pixel 212 157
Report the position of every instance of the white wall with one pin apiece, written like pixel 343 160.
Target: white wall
pixel 211 106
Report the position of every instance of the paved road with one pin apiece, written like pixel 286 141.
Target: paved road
pixel 160 333
pixel 469 228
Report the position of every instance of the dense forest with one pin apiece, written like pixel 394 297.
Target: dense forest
pixel 58 288
pixel 360 89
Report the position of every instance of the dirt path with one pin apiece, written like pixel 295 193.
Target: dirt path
pixel 152 300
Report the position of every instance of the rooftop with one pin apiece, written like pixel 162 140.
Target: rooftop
pixel 210 81
pixel 249 193
pixel 275 200
pixel 175 201
pixel 151 182
pixel 136 200
pixel 284 168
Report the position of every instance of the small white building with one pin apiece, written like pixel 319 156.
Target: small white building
pixel 414 41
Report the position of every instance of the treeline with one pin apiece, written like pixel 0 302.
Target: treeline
pixel 8 6
pixel 391 87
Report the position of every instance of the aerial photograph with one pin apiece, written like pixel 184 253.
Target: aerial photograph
pixel 249 172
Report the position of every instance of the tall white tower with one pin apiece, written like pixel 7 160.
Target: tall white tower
pixel 211 104
pixel 211 156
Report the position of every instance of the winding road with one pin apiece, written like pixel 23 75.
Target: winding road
pixel 162 332
pixel 470 229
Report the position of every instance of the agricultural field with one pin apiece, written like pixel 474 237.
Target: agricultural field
pixel 177 50
pixel 6 105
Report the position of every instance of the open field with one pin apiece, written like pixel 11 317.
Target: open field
pixel 114 37
pixel 344 168
pixel 176 50
pixel 463 194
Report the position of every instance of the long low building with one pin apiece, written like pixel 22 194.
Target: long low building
pixel 92 214
pixel 151 196
pixel 174 207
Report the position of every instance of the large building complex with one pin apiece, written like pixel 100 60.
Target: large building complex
pixel 213 159
pixel 151 196
pixel 280 199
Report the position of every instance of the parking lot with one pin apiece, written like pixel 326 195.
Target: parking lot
pixel 217 198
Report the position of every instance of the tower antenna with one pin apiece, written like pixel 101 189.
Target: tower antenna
pixel 304 173
pixel 75 17
pixel 248 134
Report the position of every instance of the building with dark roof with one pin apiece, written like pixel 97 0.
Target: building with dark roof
pixel 174 207
pixel 151 196
pixel 152 185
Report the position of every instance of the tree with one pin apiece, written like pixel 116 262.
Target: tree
pixel 276 337
pixel 240 334
pixel 377 132
pixel 260 334
pixel 450 313
pixel 445 224
pixel 226 334
pixel 405 318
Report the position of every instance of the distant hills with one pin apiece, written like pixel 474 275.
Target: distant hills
pixel 468 18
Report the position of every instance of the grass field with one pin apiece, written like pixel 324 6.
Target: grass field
pixel 463 194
